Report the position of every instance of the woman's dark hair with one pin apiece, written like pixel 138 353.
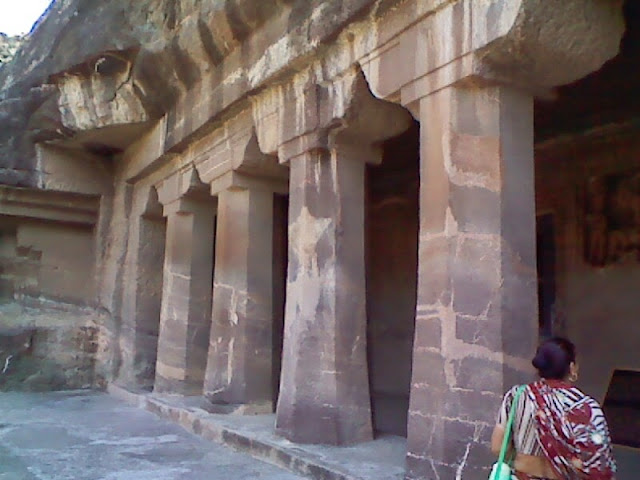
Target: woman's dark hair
pixel 554 357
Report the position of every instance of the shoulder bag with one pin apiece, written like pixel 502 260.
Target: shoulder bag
pixel 504 470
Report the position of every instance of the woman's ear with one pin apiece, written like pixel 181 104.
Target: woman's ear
pixel 573 372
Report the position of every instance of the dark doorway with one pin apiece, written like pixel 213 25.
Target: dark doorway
pixel 280 260
pixel 8 260
pixel 392 263
pixel 546 263
pixel 149 297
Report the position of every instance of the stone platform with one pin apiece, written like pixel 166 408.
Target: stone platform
pixel 88 435
pixel 382 459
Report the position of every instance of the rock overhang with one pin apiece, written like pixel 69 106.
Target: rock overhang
pixel 164 59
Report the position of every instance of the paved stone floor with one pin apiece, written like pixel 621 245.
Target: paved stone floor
pixel 92 436
pixel 381 459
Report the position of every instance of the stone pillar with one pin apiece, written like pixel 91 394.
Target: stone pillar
pixel 142 291
pixel 186 299
pixel 476 323
pixel 239 368
pixel 142 301
pixel 148 298
pixel 324 393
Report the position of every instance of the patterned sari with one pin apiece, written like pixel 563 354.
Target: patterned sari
pixel 572 432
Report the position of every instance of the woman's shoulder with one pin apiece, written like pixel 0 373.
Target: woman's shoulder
pixel 587 399
pixel 517 387
pixel 570 394
pixel 512 392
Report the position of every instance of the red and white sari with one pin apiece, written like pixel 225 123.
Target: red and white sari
pixel 572 431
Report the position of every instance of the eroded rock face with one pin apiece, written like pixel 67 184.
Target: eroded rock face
pixel 66 37
pixel 47 349
pixel 8 47
pixel 72 77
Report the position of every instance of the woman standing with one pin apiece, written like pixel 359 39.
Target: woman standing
pixel 559 433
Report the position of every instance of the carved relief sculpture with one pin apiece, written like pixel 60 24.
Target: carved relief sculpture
pixel 612 220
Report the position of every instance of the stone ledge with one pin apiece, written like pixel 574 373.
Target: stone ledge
pixel 382 459
pixel 49 205
pixel 237 409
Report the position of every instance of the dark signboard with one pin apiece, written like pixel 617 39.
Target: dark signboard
pixel 622 408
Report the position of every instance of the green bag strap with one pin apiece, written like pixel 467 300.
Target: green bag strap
pixel 508 430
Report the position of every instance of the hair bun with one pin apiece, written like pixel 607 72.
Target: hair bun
pixel 553 358
pixel 541 361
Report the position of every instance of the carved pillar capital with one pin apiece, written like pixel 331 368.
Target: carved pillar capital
pixel 189 205
pixel 233 159
pixel 183 183
pixel 533 45
pixel 347 114
pixel 146 203
pixel 235 147
pixel 237 181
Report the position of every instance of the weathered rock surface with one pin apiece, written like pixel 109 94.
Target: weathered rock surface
pixel 9 45
pixel 44 350
pixel 71 77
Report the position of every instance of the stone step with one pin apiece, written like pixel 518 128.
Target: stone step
pixel 382 459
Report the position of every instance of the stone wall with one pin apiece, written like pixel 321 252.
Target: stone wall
pixel 66 258
pixel 49 260
pixel 50 330
pixel 49 336
pixel 49 346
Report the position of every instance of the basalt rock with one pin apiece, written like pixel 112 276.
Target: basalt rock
pixel 72 77
pixel 9 45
